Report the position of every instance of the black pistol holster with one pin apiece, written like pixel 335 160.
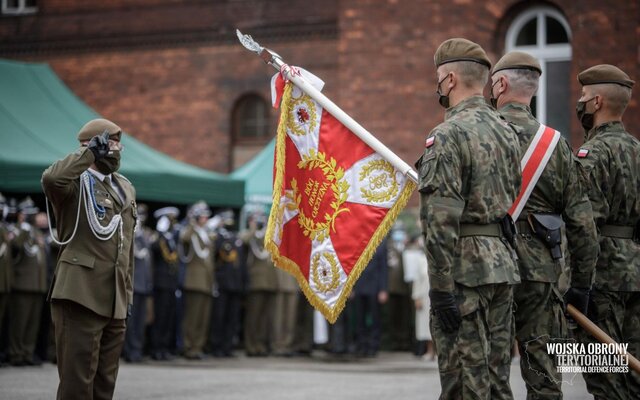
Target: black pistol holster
pixel 547 228
pixel 636 232
pixel 509 230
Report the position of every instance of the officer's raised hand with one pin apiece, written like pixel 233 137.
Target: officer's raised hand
pixel 99 145
pixel 446 310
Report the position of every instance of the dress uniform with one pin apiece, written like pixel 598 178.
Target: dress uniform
pixel 400 308
pixel 286 308
pixel 199 280
pixel 469 178
pixel 6 236
pixel 165 283
pixel 261 296
pixel 610 158
pixel 142 289
pixel 231 279
pixel 29 286
pixel 373 283
pixel 92 288
pixel 558 197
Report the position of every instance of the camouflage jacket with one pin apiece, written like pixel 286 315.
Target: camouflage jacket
pixel 611 162
pixel 558 191
pixel 469 174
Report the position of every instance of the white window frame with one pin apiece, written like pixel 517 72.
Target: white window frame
pixel 21 9
pixel 542 51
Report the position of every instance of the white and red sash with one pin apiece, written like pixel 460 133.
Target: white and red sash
pixel 533 163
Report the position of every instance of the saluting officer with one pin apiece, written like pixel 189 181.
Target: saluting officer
pixel 28 287
pixel 557 197
pixel 262 286
pixel 199 280
pixel 165 282
pixel 92 288
pixel 469 178
pixel 611 162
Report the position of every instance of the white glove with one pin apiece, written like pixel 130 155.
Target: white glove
pixel 163 224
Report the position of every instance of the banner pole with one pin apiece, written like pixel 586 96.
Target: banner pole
pixel 276 61
pixel 599 334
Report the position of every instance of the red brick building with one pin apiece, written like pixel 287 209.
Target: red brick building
pixel 172 73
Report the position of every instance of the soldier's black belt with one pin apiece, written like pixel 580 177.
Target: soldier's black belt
pixel 480 230
pixel 617 231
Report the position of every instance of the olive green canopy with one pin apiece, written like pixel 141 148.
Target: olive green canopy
pixel 39 119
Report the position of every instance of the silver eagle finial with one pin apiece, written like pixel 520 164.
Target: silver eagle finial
pixel 248 42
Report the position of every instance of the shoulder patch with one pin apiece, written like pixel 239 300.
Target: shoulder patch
pixel 429 142
pixel 582 153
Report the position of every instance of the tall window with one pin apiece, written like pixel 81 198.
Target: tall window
pixel 19 7
pixel 544 33
pixel 251 120
pixel 250 129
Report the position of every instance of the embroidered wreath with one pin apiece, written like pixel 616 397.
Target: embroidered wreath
pixel 302 114
pixel 378 182
pixel 320 230
pixel 320 275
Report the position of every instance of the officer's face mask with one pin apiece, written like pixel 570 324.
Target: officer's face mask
pixel 109 163
pixel 442 98
pixel 494 99
pixel 585 118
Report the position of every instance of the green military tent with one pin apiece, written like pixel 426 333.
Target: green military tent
pixel 39 116
pixel 258 176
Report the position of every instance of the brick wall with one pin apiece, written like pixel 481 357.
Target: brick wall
pixel 169 71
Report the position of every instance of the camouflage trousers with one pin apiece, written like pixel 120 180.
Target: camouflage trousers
pixel 539 319
pixel 618 314
pixel 474 362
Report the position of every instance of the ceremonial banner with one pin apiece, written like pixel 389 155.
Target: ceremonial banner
pixel 334 200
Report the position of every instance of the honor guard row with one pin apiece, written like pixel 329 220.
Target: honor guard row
pixel 494 235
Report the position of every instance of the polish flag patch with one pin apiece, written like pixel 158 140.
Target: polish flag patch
pixel 582 153
pixel 429 142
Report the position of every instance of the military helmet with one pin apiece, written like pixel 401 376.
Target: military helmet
pixel 27 207
pixel 98 127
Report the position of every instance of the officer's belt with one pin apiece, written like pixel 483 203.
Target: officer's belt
pixel 617 231
pixel 480 230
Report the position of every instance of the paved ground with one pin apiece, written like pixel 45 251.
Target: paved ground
pixel 389 376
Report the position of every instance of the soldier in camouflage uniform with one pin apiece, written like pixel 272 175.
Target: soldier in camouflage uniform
pixel 611 162
pixel 557 194
pixel 469 177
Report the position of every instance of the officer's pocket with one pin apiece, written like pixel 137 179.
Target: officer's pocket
pixel 77 258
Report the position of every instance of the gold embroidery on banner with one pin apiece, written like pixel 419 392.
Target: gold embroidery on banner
pixel 383 185
pixel 315 192
pixel 301 118
pixel 325 280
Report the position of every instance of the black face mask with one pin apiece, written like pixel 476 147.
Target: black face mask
pixel 443 99
pixel 494 100
pixel 109 163
pixel 585 118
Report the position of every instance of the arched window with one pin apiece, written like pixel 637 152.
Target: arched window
pixel 250 128
pixel 545 34
pixel 251 120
